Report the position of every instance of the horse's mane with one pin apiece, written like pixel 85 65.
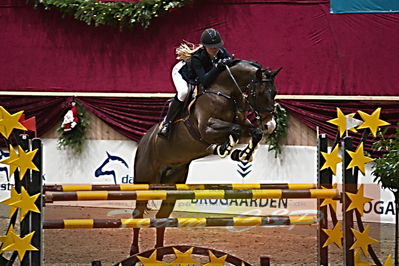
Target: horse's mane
pixel 251 62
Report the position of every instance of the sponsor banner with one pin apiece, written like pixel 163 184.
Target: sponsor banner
pixel 364 6
pixel 111 162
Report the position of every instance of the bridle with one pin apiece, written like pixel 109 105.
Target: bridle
pixel 250 98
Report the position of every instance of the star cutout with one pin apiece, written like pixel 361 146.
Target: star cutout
pixel 358 261
pixel 332 159
pixel 27 203
pixel 334 235
pixel 331 202
pixel 21 245
pixel 151 260
pixel 184 259
pixel 7 239
pixel 358 159
pixel 363 240
pixel 14 198
pixel 214 261
pixel 358 200
pixel 23 160
pixel 388 262
pixel 8 122
pixel 372 121
pixel 341 122
pixel 328 201
pixel 11 159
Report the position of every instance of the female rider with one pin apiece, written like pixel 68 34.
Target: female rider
pixel 198 65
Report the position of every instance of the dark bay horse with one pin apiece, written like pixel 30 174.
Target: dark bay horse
pixel 215 124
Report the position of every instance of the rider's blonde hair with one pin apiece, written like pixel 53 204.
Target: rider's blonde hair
pixel 186 50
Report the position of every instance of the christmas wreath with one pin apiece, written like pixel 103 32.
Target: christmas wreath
pixel 73 129
pixel 281 131
pixel 120 14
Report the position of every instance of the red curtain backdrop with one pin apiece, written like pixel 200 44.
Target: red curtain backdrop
pixel 321 53
pixel 132 117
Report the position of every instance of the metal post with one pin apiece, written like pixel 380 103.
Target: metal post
pixel 324 178
pixel 349 184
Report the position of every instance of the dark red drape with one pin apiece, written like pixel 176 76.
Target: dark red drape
pixel 321 53
pixel 132 117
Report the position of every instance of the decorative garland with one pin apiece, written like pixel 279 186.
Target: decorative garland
pixel 74 137
pixel 386 168
pixel 280 132
pixel 113 13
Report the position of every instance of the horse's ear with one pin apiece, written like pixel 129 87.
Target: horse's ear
pixel 274 73
pixel 109 155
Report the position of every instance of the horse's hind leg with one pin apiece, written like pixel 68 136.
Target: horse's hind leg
pixel 173 176
pixel 138 212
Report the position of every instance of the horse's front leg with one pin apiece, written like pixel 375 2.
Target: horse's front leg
pixel 234 136
pixel 246 154
pixel 217 130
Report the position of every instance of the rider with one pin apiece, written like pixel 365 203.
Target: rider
pixel 198 65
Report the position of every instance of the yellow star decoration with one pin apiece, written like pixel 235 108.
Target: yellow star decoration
pixel 27 203
pixel 23 160
pixel 7 239
pixel 334 235
pixel 358 200
pixel 12 158
pixel 151 260
pixel 363 240
pixel 340 121
pixel 358 261
pixel 388 262
pixel 372 121
pixel 332 159
pixel 358 159
pixel 15 198
pixel 331 202
pixel 214 261
pixel 9 122
pixel 184 259
pixel 21 244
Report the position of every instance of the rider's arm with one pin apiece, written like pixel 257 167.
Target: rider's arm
pixel 205 78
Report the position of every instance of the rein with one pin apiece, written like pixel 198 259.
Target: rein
pixel 252 92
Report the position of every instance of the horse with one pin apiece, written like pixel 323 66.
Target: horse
pixel 214 125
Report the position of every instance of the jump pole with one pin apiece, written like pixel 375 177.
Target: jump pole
pixel 135 187
pixel 193 194
pixel 243 221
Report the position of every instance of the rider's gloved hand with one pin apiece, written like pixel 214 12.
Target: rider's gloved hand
pixel 222 63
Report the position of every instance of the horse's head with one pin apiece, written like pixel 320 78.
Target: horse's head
pixel 249 81
pixel 260 94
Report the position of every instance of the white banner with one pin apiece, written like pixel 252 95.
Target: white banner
pixel 111 162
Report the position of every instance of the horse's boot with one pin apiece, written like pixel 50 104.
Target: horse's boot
pixel 174 110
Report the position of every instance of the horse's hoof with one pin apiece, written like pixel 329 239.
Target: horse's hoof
pixel 221 155
pixel 235 156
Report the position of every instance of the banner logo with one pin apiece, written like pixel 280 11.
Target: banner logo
pixel 116 167
pixel 3 155
pixel 244 168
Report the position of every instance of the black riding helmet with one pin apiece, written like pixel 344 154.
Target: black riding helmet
pixel 211 38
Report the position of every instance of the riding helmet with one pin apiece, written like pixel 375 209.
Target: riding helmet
pixel 211 38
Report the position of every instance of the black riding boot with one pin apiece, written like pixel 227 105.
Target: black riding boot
pixel 173 111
